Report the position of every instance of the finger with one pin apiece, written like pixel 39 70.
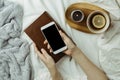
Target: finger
pixel 41 56
pixel 63 35
pixel 48 46
pixel 45 42
pixel 45 53
pixel 68 52
pixel 51 50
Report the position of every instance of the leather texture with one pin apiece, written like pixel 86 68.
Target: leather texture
pixel 34 32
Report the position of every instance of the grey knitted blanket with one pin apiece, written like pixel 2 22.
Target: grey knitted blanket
pixel 14 51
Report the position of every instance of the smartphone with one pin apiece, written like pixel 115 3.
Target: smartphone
pixel 52 35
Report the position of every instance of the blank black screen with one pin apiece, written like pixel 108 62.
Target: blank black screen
pixel 52 35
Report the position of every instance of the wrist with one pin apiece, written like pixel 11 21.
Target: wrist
pixel 55 74
pixel 75 51
pixel 52 70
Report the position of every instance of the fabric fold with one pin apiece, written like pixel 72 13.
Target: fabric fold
pixel 14 51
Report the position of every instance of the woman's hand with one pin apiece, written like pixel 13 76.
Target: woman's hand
pixel 67 41
pixel 87 66
pixel 49 62
pixel 47 59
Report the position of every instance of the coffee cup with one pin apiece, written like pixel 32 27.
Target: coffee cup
pixel 77 15
pixel 98 21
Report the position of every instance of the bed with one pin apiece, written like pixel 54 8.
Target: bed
pixel 102 49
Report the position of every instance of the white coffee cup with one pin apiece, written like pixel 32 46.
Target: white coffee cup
pixel 98 21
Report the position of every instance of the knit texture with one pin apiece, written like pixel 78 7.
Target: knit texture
pixel 14 51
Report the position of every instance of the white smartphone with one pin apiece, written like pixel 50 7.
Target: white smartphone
pixel 52 35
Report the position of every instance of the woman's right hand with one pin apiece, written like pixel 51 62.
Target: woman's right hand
pixel 67 41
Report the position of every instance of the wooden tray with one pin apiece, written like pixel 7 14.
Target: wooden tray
pixel 87 8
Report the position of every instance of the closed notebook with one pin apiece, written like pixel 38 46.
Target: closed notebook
pixel 34 32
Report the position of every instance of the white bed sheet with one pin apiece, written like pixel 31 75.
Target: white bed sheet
pixel 86 42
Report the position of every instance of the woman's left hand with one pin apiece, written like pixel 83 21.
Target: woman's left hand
pixel 49 62
pixel 46 58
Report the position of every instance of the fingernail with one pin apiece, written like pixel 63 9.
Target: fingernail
pixel 44 42
pixel 41 49
pixel 60 31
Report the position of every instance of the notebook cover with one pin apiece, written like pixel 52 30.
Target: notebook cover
pixel 33 31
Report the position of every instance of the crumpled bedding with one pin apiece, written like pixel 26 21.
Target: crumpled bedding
pixel 109 53
pixel 14 51
pixel 102 49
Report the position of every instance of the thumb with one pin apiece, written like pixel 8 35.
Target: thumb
pixel 63 35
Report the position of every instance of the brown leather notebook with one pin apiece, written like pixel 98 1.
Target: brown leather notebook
pixel 34 32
